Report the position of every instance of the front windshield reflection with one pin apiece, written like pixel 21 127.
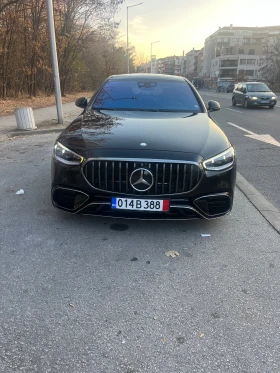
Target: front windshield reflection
pixel 258 88
pixel 147 95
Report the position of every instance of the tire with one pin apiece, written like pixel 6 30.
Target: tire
pixel 246 104
pixel 233 101
pixel 271 106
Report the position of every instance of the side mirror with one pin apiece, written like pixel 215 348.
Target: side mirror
pixel 213 106
pixel 81 102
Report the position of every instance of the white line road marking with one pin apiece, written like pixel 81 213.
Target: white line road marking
pixel 234 110
pixel 264 138
pixel 241 128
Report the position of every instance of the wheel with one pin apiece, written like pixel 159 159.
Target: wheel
pixel 271 106
pixel 246 104
pixel 233 101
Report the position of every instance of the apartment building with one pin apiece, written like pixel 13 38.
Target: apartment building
pixel 170 65
pixel 190 64
pixel 231 51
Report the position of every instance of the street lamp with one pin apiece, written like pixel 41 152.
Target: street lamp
pixel 154 42
pixel 127 54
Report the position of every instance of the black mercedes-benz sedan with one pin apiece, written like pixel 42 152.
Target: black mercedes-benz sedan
pixel 144 147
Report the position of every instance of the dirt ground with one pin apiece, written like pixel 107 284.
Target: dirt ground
pixel 8 106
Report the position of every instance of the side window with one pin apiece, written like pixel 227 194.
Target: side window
pixel 244 88
pixel 239 86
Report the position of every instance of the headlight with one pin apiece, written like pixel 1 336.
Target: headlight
pixel 253 97
pixel 220 161
pixel 273 98
pixel 66 156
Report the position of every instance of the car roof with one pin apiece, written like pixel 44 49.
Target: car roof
pixel 252 82
pixel 147 77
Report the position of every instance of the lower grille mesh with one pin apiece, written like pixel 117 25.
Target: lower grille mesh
pixel 169 178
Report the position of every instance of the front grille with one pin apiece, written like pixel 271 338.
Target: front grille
pixel 169 177
pixel 264 98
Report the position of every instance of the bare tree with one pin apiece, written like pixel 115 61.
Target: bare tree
pixel 5 4
pixel 270 70
pixel 87 45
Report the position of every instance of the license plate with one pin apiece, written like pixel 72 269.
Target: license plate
pixel 264 102
pixel 140 204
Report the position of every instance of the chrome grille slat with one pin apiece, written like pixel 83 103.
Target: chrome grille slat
pixel 120 176
pixel 113 176
pixel 177 178
pixel 126 177
pixel 163 178
pixel 106 175
pixel 156 183
pixel 191 178
pixel 184 180
pixel 99 175
pixel 170 177
pixel 92 170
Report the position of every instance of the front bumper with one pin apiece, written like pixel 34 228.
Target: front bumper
pixel 212 198
pixel 261 102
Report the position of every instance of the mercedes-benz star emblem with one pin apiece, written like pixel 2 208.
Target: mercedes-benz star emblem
pixel 141 179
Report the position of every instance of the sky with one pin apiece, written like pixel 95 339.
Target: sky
pixel 180 25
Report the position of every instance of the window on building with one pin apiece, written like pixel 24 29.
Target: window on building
pixel 251 51
pixel 249 72
pixel 246 40
pixel 251 62
pixel 229 63
pixel 240 51
pixel 243 62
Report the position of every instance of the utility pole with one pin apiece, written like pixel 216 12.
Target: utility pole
pixel 127 52
pixel 54 62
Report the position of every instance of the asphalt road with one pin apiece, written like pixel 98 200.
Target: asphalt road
pixel 81 294
pixel 258 161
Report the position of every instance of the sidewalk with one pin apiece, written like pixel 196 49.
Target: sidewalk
pixel 45 120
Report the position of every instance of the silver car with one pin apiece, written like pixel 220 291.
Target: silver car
pixel 251 94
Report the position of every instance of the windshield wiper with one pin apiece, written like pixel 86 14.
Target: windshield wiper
pixel 116 99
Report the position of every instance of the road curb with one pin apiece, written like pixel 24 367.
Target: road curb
pixel 53 127
pixel 269 212
pixel 13 134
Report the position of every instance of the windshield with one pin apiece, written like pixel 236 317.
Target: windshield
pixel 257 88
pixel 147 94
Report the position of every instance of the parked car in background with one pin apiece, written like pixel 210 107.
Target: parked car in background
pixel 144 147
pixel 230 88
pixel 223 84
pixel 253 94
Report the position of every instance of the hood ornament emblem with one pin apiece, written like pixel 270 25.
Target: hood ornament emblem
pixel 143 144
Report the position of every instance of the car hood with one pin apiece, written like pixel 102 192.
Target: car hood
pixel 97 132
